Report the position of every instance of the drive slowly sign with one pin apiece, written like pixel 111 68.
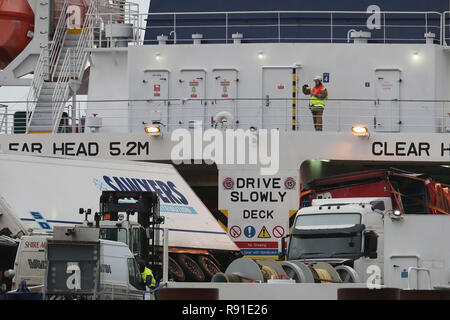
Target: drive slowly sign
pixel 258 208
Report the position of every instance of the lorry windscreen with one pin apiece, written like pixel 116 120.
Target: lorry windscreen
pixel 326 243
pixel 328 219
pixel 114 234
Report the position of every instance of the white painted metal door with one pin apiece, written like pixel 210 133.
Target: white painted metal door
pixel 155 93
pixel 192 84
pixel 397 271
pixel 387 105
pixel 225 94
pixel 277 98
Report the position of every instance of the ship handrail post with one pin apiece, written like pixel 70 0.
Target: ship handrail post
pixel 166 255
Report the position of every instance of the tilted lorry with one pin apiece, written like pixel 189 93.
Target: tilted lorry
pixel 42 193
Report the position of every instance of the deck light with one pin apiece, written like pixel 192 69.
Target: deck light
pixel 153 130
pixel 260 54
pixel 360 131
pixel 157 56
pixel 416 55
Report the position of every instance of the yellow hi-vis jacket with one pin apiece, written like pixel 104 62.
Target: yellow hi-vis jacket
pixel 148 273
pixel 316 102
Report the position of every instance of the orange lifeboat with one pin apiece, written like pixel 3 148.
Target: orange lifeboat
pixel 16 22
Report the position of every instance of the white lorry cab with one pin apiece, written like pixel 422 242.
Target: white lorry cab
pixel 346 231
pixel 29 264
pixel 120 278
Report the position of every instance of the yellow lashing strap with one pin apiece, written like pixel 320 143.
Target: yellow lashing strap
pixel 324 276
pixel 269 273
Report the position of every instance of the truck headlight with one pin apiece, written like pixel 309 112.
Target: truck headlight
pixel 396 215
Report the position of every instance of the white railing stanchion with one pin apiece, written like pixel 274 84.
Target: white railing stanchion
pixel 331 27
pixel 279 27
pixel 226 27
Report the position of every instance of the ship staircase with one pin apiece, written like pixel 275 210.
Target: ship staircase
pixel 59 71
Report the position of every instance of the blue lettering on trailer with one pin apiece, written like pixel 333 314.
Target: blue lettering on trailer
pixel 167 191
pixel 176 209
pixel 168 208
pixel 40 220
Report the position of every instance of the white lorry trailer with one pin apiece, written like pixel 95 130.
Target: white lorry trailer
pixel 42 193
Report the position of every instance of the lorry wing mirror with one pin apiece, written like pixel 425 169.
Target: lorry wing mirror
pixel 370 244
pixel 282 253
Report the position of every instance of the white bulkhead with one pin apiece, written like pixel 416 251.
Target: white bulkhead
pixel 176 84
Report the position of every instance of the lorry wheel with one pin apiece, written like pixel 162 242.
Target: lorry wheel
pixel 176 271
pixel 191 268
pixel 208 266
pixel 347 274
pixel 298 271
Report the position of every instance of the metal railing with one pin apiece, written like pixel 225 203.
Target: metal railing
pixel 86 38
pixel 58 38
pixel 3 118
pixel 72 67
pixel 119 12
pixel 426 270
pixel 446 28
pixel 62 88
pixel 41 73
pixel 46 65
pixel 339 115
pixel 280 26
pixel 118 291
pixel 151 294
